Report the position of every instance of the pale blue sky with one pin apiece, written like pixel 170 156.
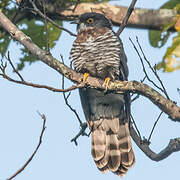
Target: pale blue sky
pixel 57 157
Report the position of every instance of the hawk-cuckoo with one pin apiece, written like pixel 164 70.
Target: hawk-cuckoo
pixel 98 51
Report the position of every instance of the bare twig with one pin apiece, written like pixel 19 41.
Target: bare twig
pixel 125 20
pixel 178 90
pixel 144 69
pixel 81 133
pixel 154 126
pixel 66 98
pixel 83 126
pixel 46 28
pixel 23 82
pixel 35 151
pixel 67 103
pixel 135 98
pixel 49 19
pixel 75 6
pixel 173 146
pixel 153 70
pixel 13 67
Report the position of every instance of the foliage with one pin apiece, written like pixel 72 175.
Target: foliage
pixel 157 39
pixel 41 35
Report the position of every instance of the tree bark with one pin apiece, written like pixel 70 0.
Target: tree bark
pixel 140 18
pixel 167 106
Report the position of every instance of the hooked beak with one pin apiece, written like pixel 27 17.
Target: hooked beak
pixel 75 21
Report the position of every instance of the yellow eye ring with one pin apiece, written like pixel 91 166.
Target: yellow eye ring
pixel 90 20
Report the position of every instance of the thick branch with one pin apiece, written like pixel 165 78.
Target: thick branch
pixel 140 18
pixel 164 104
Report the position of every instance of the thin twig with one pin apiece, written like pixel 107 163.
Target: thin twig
pixel 35 151
pixel 13 67
pixel 144 69
pixel 66 97
pixel 40 86
pixel 67 103
pixel 49 19
pixel 178 90
pixel 135 98
pixel 83 126
pixel 155 125
pixel 152 69
pixel 75 6
pixel 142 80
pixel 80 133
pixel 125 20
pixel 23 82
pixel 46 28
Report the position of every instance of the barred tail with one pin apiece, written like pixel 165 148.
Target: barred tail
pixel 111 145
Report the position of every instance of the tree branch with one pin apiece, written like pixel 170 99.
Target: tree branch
pixel 173 146
pixel 125 20
pixel 163 103
pixel 140 18
pixel 23 82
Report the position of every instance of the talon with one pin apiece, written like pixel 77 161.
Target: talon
pixel 85 77
pixel 106 82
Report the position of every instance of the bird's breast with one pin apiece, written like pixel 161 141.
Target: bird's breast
pixel 97 55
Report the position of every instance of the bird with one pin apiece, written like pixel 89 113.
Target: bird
pixel 98 52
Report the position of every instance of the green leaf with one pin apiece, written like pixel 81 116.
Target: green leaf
pixel 170 4
pixel 4 43
pixel 37 31
pixel 171 60
pixel 158 38
pixel 4 37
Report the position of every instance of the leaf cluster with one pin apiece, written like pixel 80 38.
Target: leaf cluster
pixel 158 38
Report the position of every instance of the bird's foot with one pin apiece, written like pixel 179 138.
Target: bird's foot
pixel 106 83
pixel 85 77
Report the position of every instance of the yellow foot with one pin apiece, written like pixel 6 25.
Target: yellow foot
pixel 106 83
pixel 85 77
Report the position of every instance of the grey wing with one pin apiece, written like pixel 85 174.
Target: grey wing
pixel 124 72
pixel 85 103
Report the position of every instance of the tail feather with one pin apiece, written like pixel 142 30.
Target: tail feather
pixel 103 162
pixel 111 145
pixel 114 153
pixel 98 144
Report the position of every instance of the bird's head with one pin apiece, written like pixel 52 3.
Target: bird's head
pixel 89 20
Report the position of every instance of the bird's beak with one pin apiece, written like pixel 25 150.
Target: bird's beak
pixel 75 21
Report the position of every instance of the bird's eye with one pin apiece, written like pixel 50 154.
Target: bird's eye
pixel 90 20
